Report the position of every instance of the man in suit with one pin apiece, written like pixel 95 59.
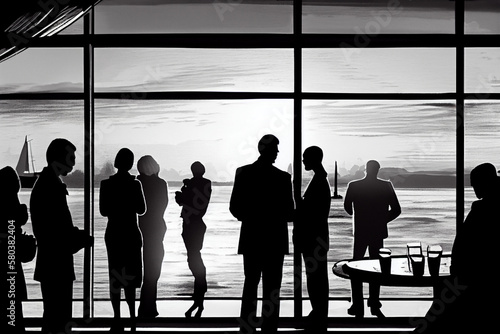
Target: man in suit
pixel 374 204
pixel 262 200
pixel 57 238
pixel 311 237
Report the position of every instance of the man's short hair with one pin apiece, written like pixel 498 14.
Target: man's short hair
pixel 58 150
pixel 267 141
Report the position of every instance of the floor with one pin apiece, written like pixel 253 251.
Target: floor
pixel 220 316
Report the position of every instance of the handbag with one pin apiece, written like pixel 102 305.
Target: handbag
pixel 26 247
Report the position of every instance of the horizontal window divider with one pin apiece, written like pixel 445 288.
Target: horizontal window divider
pixel 271 40
pixel 43 96
pixel 189 95
pixel 378 96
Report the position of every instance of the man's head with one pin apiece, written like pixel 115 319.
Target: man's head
pixel 197 169
pixel 268 148
pixel 372 168
pixel 124 159
pixel 484 180
pixel 312 157
pixel 60 156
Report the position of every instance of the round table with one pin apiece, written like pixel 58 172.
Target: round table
pixel 367 270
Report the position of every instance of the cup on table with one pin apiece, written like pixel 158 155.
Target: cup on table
pixel 434 253
pixel 413 248
pixel 417 264
pixel 385 260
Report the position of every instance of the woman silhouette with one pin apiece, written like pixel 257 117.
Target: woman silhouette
pixel 194 198
pixel 153 228
pixel 121 200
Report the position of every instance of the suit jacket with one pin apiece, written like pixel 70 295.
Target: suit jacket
pixel 262 200
pixel 475 244
pixel 371 200
pixel 56 236
pixel 311 222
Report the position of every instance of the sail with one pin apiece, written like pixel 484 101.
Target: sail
pixel 23 165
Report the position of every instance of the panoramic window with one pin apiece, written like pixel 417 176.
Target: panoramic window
pixel 169 79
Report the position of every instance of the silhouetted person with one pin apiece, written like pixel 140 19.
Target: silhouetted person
pixel 13 215
pixel 194 198
pixel 262 200
pixel 311 237
pixel 374 204
pixel 57 238
pixel 121 200
pixel 468 300
pixel 153 228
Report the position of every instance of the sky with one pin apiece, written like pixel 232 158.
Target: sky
pixel 225 133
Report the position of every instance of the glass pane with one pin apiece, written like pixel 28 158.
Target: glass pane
pixel 414 142
pixel 482 17
pixel 223 135
pixel 206 16
pixel 378 17
pixel 74 29
pixel 482 129
pixel 43 70
pixel 359 70
pixel 41 122
pixel 482 71
pixel 194 69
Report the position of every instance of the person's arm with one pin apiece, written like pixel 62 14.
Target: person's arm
pixel 290 203
pixel 395 207
pixel 103 203
pixel 237 197
pixel 348 201
pixel 164 197
pixel 140 200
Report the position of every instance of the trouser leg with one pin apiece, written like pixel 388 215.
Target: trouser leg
pixel 317 284
pixel 272 275
pixel 374 289
pixel 252 270
pixel 57 306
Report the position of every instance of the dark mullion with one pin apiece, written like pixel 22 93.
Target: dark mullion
pixel 88 86
pixel 460 101
pixel 297 148
pixel 236 41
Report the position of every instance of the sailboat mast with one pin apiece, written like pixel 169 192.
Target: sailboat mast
pixel 31 156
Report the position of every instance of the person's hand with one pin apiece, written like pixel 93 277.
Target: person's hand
pixel 22 215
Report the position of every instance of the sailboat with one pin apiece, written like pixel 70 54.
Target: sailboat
pixel 27 175
pixel 335 192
